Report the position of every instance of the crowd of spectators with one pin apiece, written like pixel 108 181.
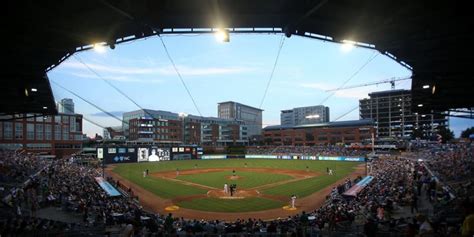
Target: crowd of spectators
pixel 397 183
pixel 17 168
pixel 451 163
pixel 319 150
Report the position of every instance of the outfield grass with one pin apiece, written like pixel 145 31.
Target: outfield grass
pixel 235 205
pixel 247 179
pixel 305 187
pixel 171 189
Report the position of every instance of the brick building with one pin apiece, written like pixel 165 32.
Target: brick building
pixel 56 135
pixel 322 133
pixel 183 128
pixel 146 129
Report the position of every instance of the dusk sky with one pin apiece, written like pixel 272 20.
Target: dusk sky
pixel 215 72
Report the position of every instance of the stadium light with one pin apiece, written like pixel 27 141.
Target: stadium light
pixel 99 47
pixel 222 35
pixel 347 46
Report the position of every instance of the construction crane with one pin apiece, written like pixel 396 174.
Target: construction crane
pixel 390 80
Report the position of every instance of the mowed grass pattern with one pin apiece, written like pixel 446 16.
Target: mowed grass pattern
pixel 246 180
pixel 305 187
pixel 235 205
pixel 170 189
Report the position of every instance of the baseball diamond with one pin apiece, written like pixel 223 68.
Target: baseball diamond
pixel 262 187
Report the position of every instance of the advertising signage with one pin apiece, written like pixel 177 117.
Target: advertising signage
pixel 114 155
pixel 341 158
pixel 185 153
pixel 152 154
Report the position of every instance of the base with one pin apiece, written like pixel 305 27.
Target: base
pixel 289 208
pixel 172 208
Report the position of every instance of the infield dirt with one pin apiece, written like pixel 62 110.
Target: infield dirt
pixel 155 204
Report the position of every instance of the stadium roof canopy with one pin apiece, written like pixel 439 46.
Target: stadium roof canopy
pixel 434 38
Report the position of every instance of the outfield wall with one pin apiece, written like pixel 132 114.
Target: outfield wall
pixel 142 153
pixel 286 157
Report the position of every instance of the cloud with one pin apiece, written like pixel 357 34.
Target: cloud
pixel 158 70
pixel 115 78
pixel 102 114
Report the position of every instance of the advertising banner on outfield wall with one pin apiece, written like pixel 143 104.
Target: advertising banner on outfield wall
pixel 308 157
pixel 261 157
pixel 211 157
pixel 114 155
pixel 341 158
pixel 185 153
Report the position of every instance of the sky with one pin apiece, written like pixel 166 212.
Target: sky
pixel 215 72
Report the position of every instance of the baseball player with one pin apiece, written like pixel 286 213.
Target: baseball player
pixel 226 188
pixel 293 200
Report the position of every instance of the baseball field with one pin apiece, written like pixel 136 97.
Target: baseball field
pixel 195 188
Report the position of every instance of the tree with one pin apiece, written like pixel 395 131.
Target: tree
pixel 467 132
pixel 446 133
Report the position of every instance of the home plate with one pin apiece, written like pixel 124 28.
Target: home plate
pixel 172 208
pixel 289 208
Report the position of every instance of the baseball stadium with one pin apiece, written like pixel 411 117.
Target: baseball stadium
pixel 237 118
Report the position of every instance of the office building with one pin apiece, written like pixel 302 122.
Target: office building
pixel 347 132
pixel 65 106
pixel 304 115
pixel 170 128
pixel 251 116
pixel 391 111
pixel 146 113
pixel 58 135
pixel 113 133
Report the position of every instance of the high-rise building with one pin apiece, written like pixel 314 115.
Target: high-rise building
pixel 304 115
pixel 251 116
pixel 66 106
pixel 391 111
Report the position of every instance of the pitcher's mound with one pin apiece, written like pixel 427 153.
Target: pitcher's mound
pixel 239 194
pixel 233 177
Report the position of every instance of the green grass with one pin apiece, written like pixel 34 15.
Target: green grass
pixel 247 179
pixel 170 189
pixel 235 205
pixel 161 187
pixel 305 187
